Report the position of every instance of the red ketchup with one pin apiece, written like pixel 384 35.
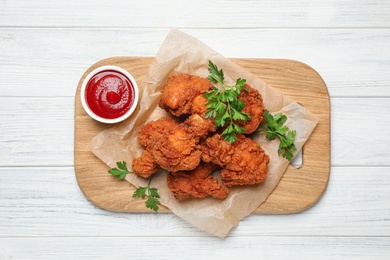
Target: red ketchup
pixel 109 94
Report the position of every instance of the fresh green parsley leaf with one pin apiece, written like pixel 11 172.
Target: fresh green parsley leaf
pixel 154 192
pixel 273 126
pixel 216 76
pixel 121 171
pixel 152 201
pixel 140 192
pixel 223 104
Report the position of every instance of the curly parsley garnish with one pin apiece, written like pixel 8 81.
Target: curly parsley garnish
pixel 152 201
pixel 223 104
pixel 274 127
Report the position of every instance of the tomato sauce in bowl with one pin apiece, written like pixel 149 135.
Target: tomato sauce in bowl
pixel 109 94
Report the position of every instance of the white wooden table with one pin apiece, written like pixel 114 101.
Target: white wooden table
pixel 45 47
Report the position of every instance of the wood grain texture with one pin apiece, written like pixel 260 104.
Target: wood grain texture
pixel 47 45
pixel 297 190
pixel 353 63
pixel 199 14
pixel 233 248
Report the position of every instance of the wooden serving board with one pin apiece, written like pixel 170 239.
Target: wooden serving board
pixel 298 189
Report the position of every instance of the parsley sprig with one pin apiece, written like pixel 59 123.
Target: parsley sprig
pixel 152 201
pixel 223 104
pixel 274 127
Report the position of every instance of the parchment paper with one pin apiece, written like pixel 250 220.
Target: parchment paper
pixel 181 53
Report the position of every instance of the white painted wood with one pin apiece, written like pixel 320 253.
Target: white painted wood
pixel 351 62
pixel 261 247
pixel 36 131
pixel 358 134
pixel 45 46
pixel 200 14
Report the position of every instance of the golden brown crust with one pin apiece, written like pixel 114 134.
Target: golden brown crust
pixel 243 162
pixel 152 132
pixel 197 183
pixel 144 165
pixel 177 148
pixel 180 90
pixel 253 106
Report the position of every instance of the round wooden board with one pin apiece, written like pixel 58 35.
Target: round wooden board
pixel 298 189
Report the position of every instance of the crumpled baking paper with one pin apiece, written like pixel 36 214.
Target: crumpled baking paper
pixel 182 53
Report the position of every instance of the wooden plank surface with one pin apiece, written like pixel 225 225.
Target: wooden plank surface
pixel 255 248
pixel 197 14
pixel 47 45
pixel 297 190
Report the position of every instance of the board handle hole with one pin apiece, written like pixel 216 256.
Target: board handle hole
pixel 297 162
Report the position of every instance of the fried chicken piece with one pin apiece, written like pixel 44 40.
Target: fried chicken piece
pixel 243 162
pixel 253 106
pixel 145 165
pixel 177 148
pixel 198 183
pixel 148 136
pixel 152 132
pixel 199 107
pixel 180 90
